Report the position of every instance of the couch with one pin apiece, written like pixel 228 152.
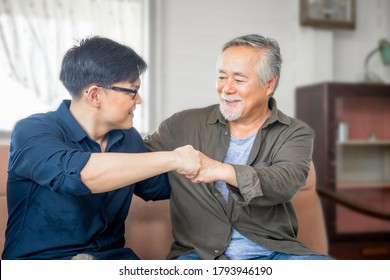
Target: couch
pixel 148 225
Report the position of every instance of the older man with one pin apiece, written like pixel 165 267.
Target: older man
pixel 255 160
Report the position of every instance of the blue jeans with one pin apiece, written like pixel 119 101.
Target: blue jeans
pixel 273 256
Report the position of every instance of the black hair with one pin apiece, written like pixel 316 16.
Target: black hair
pixel 101 61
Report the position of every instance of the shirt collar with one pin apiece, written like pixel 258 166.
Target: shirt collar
pixel 72 127
pixel 276 115
pixel 74 130
pixel 216 116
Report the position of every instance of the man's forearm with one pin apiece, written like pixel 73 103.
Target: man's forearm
pixel 109 171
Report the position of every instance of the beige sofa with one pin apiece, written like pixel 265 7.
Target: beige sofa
pixel 148 226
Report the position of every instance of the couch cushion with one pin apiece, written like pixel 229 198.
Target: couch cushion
pixel 3 168
pixel 149 229
pixel 3 221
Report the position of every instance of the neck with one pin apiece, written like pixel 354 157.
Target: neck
pixel 87 118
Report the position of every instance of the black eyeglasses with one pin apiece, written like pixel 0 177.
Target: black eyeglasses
pixel 131 92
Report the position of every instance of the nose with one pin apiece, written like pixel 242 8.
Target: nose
pixel 138 98
pixel 229 86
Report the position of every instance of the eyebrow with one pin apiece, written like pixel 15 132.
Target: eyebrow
pixel 235 73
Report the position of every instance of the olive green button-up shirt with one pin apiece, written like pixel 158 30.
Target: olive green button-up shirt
pixel 260 208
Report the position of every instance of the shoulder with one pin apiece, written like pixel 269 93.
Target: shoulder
pixel 37 119
pixel 133 135
pixel 133 141
pixel 37 129
pixel 195 114
pixel 183 126
pixel 36 124
pixel 293 124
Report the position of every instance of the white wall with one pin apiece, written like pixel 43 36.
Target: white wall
pixel 188 35
pixel 351 48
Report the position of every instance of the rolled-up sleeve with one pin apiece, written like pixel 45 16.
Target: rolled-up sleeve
pixel 277 174
pixel 42 156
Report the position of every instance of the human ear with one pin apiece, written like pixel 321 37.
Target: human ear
pixel 271 86
pixel 93 96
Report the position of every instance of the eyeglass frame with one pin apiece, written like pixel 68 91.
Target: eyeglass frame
pixel 127 90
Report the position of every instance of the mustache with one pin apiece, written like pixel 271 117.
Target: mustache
pixel 229 98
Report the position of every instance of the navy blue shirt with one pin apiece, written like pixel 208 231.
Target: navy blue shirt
pixel 52 214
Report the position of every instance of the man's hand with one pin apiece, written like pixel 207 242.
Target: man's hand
pixel 188 161
pixel 212 170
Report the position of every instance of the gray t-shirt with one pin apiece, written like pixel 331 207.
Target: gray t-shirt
pixel 240 247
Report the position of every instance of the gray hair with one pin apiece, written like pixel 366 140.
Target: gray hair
pixel 270 62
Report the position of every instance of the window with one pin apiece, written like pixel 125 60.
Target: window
pixel 35 34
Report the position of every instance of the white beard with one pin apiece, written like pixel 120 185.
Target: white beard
pixel 227 111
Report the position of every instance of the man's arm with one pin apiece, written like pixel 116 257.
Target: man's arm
pixel 109 171
pixel 213 170
pixel 280 179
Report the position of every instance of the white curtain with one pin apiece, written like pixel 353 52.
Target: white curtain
pixel 34 36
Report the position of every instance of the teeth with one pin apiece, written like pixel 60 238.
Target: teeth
pixel 227 98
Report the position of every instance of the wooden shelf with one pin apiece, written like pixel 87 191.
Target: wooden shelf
pixel 358 168
pixel 360 185
pixel 363 143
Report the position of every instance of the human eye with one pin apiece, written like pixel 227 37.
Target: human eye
pixel 240 78
pixel 240 81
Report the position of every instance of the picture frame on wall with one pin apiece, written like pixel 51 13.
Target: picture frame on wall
pixel 331 14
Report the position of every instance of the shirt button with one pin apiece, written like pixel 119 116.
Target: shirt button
pixel 216 194
pixel 216 251
pixel 226 133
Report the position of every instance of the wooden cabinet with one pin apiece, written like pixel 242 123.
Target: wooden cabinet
pixel 352 158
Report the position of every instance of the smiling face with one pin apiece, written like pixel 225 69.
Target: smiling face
pixel 118 108
pixel 242 97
